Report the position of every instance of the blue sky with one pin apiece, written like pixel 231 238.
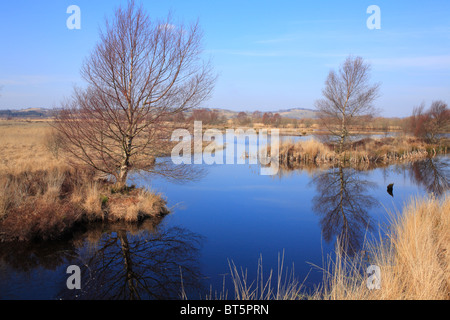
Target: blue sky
pixel 269 55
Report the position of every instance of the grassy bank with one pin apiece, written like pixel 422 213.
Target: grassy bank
pixel 43 198
pixel 366 151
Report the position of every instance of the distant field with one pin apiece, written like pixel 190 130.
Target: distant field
pixel 298 114
pixel 23 145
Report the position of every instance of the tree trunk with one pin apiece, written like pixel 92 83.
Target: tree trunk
pixel 125 167
pixel 128 267
pixel 123 175
pixel 342 141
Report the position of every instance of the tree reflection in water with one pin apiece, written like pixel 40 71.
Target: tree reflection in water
pixel 342 203
pixel 147 265
pixel 118 261
pixel 433 174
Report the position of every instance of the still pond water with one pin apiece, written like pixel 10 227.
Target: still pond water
pixel 228 213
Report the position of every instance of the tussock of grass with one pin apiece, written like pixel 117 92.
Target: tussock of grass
pixel 135 206
pixel 91 201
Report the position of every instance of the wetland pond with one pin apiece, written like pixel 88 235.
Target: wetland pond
pixel 231 213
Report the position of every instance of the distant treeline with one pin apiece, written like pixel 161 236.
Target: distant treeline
pixel 282 120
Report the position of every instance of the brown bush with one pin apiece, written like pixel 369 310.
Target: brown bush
pixel 40 220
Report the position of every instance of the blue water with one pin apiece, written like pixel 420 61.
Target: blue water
pixel 229 213
pixel 243 215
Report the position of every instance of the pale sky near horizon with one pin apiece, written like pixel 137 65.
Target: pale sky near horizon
pixel 269 55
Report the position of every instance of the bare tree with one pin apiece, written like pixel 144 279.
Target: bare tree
pixel 348 95
pixel 243 119
pixel 417 120
pixel 140 73
pixel 438 120
pixel 205 116
pixel 430 123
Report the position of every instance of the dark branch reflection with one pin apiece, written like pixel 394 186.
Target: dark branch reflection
pixel 342 203
pixel 147 265
pixel 117 261
pixel 433 174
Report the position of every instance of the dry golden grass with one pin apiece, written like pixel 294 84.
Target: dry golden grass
pixel 414 260
pixel 307 151
pixel 23 146
pixel 90 200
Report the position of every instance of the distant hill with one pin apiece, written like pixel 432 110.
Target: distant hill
pixel 298 113
pixel 26 113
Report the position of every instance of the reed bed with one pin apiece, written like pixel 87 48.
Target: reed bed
pixel 267 286
pixel 365 151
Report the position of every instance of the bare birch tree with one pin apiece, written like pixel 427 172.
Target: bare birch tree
pixel 141 73
pixel 347 96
